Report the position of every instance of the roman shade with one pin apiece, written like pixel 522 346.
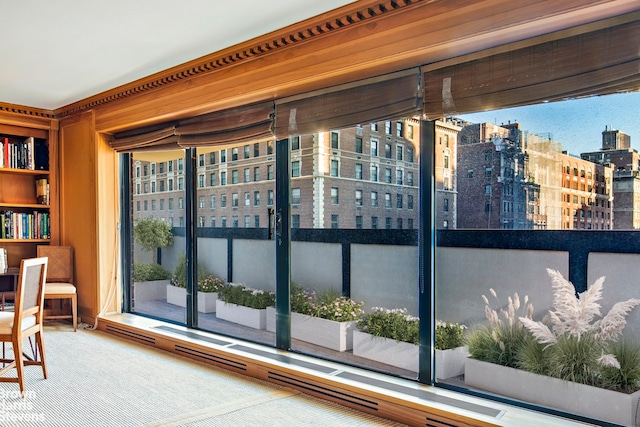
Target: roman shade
pixel 235 125
pixel 596 63
pixel 389 96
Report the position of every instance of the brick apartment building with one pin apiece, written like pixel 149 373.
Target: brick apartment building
pixel 616 152
pixel 360 177
pixel 512 179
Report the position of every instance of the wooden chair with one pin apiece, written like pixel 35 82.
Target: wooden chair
pixel 59 284
pixel 25 321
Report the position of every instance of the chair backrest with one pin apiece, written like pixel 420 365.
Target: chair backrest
pixel 30 290
pixel 60 267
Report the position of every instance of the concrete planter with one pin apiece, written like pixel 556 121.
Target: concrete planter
pixel 449 363
pixel 334 335
pixel 246 316
pixel 206 300
pixel 150 290
pixel 568 396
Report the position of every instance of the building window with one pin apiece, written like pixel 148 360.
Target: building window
pixel 410 201
pixel 247 221
pixel 247 152
pixel 295 221
pixel 487 172
pixel 181 221
pixel 223 201
pixel 446 162
pixel 170 203
pixel 153 187
pixel 374 199
pixel 170 184
pixel 387 176
pixel 201 181
pixel 295 142
pixel 488 155
pixel 374 127
pixel 201 202
pixel 212 202
pixel 334 221
pixel 201 160
pixel 470 173
pixel 138 206
pixel 247 175
pixel 223 158
pixel 387 127
pixel 256 221
pixel 399 201
pixel 399 152
pixel 358 222
pixel 234 176
pixel 234 200
pixel 256 198
pixel 487 189
pixel 235 221
pixel 269 171
pixel 234 154
pixel 269 147
pixel 359 144
pixel 387 150
pixel 410 223
pixel 387 200
pixel 295 168
pixel 487 206
pixel 399 177
pixel 399 130
pixel 374 173
pixel 374 222
pixel 335 140
pixel 247 198
pixel 180 203
pixel 387 223
pixel 169 166
pixel 180 183
pixel 358 170
pixel 359 198
pixel 201 221
pixel 410 152
pixel 374 147
pixel 137 188
pixel 269 197
pixel 334 196
pixel 212 160
pixel 223 178
pixel 212 180
pixel 256 174
pixel 161 204
pixel 445 206
pixel 223 222
pixel 334 168
pixel 256 149
pixel 212 221
pixel 295 196
pixel 410 178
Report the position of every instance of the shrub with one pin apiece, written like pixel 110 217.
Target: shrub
pixel 210 283
pixel 449 335
pixel 179 278
pixel 328 305
pixel 240 294
pixel 149 272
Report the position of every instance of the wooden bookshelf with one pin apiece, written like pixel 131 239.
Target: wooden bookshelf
pixel 26 147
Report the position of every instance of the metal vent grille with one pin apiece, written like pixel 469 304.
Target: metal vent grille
pixel 130 334
pixel 207 357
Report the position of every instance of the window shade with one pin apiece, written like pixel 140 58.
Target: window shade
pixel 161 139
pixel 597 63
pixel 389 96
pixel 236 125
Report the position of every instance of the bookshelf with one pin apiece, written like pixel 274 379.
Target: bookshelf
pixel 25 188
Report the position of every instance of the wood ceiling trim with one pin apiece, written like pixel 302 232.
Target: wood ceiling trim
pixel 289 36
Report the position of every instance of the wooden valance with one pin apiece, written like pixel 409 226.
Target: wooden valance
pixel 389 96
pixel 597 63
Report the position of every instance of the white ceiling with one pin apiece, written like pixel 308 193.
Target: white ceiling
pixel 56 52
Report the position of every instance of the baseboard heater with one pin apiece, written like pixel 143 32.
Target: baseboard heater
pixel 318 380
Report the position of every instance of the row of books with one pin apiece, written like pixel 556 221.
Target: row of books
pixel 28 154
pixel 22 225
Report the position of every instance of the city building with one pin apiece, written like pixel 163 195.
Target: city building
pixel 616 152
pixel 360 177
pixel 517 180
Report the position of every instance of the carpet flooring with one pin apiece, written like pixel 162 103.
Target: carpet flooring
pixel 95 379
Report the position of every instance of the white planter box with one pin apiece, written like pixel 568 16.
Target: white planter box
pixel 449 363
pixel 336 336
pixel 206 300
pixel 581 399
pixel 251 317
pixel 150 290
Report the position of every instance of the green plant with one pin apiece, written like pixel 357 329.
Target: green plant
pixel 394 324
pixel 328 305
pixel 500 340
pixel 627 377
pixel 210 283
pixel 149 272
pixel 240 294
pixel 449 335
pixel 179 277
pixel 576 343
pixel 152 233
pixel 397 324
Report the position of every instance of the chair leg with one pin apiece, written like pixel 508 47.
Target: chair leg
pixel 74 311
pixel 17 355
pixel 40 347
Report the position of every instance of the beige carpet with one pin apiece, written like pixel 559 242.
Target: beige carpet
pixel 98 380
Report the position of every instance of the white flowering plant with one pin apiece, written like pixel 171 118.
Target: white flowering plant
pixel 328 305
pixel 397 324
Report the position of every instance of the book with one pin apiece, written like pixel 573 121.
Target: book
pixel 3 261
pixel 42 191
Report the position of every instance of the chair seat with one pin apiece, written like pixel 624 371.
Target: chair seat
pixel 57 288
pixel 6 322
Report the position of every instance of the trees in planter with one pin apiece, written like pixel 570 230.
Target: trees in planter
pixel 152 234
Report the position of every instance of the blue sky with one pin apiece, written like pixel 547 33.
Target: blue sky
pixel 578 123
